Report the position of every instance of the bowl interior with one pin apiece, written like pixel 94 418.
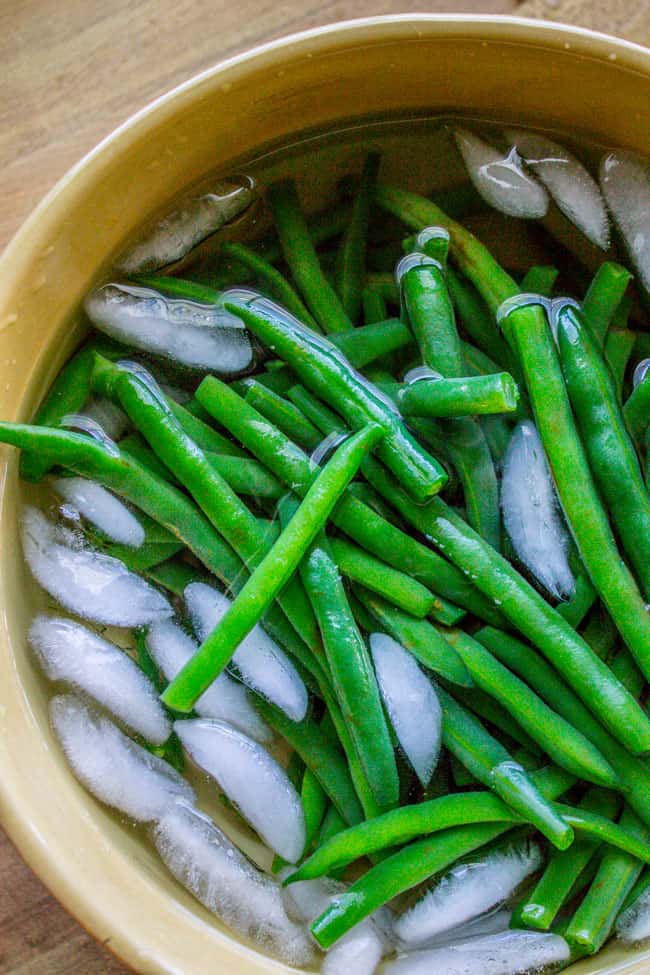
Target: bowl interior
pixel 513 71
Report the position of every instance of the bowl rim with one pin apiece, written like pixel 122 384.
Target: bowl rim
pixel 24 244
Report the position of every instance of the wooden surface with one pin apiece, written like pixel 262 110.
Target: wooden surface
pixel 71 71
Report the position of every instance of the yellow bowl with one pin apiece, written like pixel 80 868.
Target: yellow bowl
pixel 503 68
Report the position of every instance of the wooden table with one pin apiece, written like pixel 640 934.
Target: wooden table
pixel 73 70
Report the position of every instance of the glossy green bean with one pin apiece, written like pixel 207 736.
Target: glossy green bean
pixel 274 280
pixel 352 674
pixel 430 312
pixel 417 636
pixel 66 395
pixel 299 253
pixel 572 475
pixel 314 803
pixel 525 609
pixel 491 764
pixel 283 414
pixel 540 907
pixel 353 517
pixel 540 280
pixel 351 256
pixel 603 297
pixel 322 368
pixel 565 744
pixel 476 320
pixel 229 515
pixel 504 726
pixel 272 573
pixel 592 923
pixel 412 865
pixel 367 343
pixel 542 678
pixel 396 587
pixel 468 396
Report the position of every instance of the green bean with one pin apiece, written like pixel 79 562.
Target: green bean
pixel 369 342
pixel 542 678
pixel 324 370
pixel 566 745
pixel 600 633
pixel 374 306
pixel 147 555
pixel 603 297
pixel 299 253
pixel 411 865
pixel 540 280
pixel 245 476
pixel 476 320
pixel 332 824
pixel 417 636
pixel 477 363
pixel 525 609
pixel 351 257
pixel 277 284
pixel 505 728
pixel 229 515
pixel 314 803
pixel 592 819
pixel 356 519
pixel 320 755
pixel 459 397
pixel 67 395
pixel 353 677
pixel 322 226
pixel 431 315
pixel 615 468
pixel 462 778
pixel 639 888
pixel 636 411
pixel 175 575
pixel 592 923
pixel 539 908
pixel 497 432
pixel 359 566
pixel 272 573
pixel 618 349
pixel 624 667
pixel 283 414
pixel 574 609
pixel 179 288
pixel 488 760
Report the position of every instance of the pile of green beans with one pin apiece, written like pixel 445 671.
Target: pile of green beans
pixel 334 492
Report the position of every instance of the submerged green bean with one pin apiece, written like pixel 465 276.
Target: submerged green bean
pixel 351 257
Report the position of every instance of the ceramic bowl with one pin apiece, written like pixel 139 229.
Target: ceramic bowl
pixel 508 69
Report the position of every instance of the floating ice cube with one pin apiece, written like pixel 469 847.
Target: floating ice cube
pixel 102 509
pixel 91 584
pixel 171 647
pixel 625 182
pixel 258 659
pixel 411 702
pixel 465 892
pixel 68 651
pixel 494 922
pixel 501 179
pixel 172 237
pixel 572 187
pixel 204 860
pixel 113 768
pixel 252 780
pixel 633 924
pixel 531 512
pixel 511 953
pixel 200 336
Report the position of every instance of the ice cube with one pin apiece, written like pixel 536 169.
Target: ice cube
pixel 91 584
pixel 102 509
pixel 69 652
pixel 252 780
pixel 111 766
pixel 625 181
pixel 510 953
pixel 500 178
